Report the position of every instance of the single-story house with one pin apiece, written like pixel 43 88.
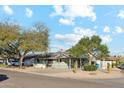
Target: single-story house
pixel 110 60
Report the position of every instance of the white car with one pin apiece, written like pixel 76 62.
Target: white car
pixel 15 63
pixel 121 66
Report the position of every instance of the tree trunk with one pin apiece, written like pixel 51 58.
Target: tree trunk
pixel 21 60
pixel 7 61
pixel 76 64
pixel 90 58
pixel 22 57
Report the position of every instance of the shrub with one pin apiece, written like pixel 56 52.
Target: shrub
pixel 118 63
pixel 75 68
pixel 108 67
pixel 113 65
pixel 90 68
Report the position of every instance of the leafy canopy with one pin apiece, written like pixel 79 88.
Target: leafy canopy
pixel 91 46
pixel 16 41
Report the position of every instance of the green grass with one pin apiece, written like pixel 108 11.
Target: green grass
pixel 2 65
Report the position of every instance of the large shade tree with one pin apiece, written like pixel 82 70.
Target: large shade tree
pixel 91 47
pixel 17 43
pixel 33 40
pixel 9 32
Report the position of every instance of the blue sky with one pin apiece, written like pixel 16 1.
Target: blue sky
pixel 68 24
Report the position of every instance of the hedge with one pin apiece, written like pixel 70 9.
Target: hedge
pixel 90 68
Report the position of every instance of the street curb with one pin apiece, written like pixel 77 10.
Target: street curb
pixel 28 72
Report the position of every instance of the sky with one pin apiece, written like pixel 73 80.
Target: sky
pixel 68 24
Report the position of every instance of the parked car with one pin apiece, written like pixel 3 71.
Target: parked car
pixel 15 63
pixel 28 63
pixel 121 66
pixel 1 62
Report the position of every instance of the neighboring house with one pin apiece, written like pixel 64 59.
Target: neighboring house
pixel 103 64
pixel 110 60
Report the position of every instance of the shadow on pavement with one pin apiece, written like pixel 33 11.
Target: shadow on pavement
pixel 3 77
pixel 122 71
pixel 104 71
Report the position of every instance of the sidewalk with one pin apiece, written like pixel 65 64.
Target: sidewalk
pixel 64 73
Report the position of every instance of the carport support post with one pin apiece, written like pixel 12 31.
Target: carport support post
pixel 80 64
pixel 45 61
pixel 69 63
pixel 76 64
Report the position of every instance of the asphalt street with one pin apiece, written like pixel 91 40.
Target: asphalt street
pixel 28 80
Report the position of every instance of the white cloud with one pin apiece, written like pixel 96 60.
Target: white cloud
pixel 74 37
pixel 118 29
pixel 73 11
pixel 7 10
pixel 84 31
pixel 68 38
pixel 121 14
pixel 28 12
pixel 106 39
pixel 106 29
pixel 66 21
pixel 58 10
pixel 95 27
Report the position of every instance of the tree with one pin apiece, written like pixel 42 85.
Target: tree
pixel 91 47
pixel 103 52
pixel 9 32
pixel 18 43
pixel 33 40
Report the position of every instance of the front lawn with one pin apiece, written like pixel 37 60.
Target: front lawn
pixel 2 65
